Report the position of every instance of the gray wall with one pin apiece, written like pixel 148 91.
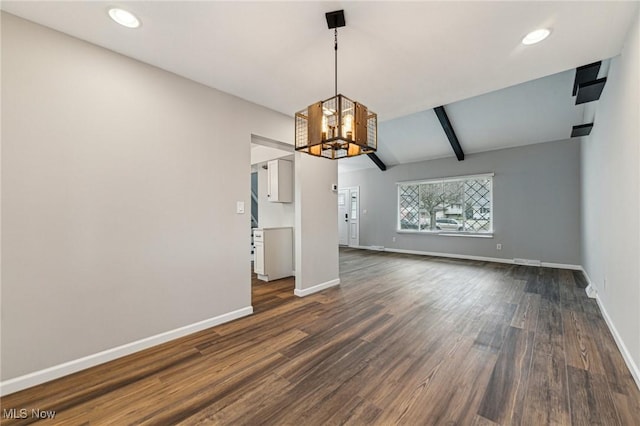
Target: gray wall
pixel 119 190
pixel 316 218
pixel 536 203
pixel 611 202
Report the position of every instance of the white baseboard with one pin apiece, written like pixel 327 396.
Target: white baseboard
pixel 449 255
pixel 316 288
pixel 561 266
pixel 60 370
pixel 626 355
pixel 468 257
pixel 373 248
pixel 633 368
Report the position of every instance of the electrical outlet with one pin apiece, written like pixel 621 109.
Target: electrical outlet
pixel 498 246
pixel 393 239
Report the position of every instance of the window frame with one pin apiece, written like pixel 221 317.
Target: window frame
pixel 477 234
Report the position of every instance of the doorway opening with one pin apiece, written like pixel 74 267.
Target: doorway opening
pixel 272 221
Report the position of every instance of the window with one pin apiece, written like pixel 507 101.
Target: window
pixel 460 204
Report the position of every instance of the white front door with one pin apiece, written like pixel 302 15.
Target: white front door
pixel 354 216
pixel 343 217
pixel 348 216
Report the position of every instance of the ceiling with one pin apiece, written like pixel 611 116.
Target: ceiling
pixel 399 58
pixel 261 153
pixel 537 111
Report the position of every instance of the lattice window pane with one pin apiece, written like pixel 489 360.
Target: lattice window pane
pixel 409 206
pixel 477 205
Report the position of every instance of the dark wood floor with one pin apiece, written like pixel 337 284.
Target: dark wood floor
pixel 404 340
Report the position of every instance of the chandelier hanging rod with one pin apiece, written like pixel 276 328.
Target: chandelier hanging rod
pixel 335 59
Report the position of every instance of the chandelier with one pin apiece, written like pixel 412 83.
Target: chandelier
pixel 337 127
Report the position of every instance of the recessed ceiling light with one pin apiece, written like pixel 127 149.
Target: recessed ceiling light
pixel 124 17
pixel 536 36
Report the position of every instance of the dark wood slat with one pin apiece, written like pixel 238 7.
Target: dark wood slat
pixel 549 332
pixel 491 336
pixel 569 294
pixel 591 403
pixel 526 315
pixel 628 408
pixel 581 350
pixel 504 397
pixel 550 289
pixel 481 421
pixel 547 398
pixel 534 281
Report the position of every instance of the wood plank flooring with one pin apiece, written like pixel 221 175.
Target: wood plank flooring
pixel 403 340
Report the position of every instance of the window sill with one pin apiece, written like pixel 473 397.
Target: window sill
pixel 448 234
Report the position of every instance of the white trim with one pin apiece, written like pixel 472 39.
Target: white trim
pixel 468 257
pixel 302 292
pixel 64 369
pixel 447 233
pixel 626 355
pixel 561 266
pixel 527 262
pixel 371 248
pixel 451 256
pixel 591 291
pixel 449 178
pixel 628 359
pixel 633 368
pixel 463 234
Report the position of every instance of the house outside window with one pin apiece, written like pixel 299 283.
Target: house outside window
pixel 461 204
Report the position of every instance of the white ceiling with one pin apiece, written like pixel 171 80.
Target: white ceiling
pixel 261 154
pixel 399 58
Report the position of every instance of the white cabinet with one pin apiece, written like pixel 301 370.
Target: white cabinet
pixel 280 181
pixel 273 253
pixel 258 253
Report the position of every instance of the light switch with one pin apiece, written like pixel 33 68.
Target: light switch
pixel 240 207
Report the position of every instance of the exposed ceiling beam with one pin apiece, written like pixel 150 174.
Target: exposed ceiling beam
pixel 581 130
pixel 378 161
pixel 590 91
pixel 448 130
pixel 585 74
